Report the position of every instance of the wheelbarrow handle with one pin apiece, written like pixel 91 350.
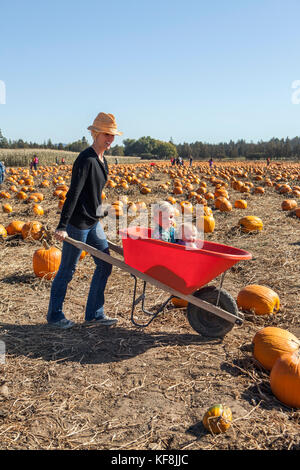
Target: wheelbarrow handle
pixel 125 267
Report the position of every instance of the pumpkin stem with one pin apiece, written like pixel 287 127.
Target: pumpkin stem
pixel 45 244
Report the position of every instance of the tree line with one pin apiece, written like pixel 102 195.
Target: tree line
pixel 150 148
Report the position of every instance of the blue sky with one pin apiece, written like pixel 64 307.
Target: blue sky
pixel 196 70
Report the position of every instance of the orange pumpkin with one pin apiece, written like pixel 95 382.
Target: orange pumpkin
pixel 285 379
pixel 179 303
pixel 219 200
pixel 270 343
pixel 225 206
pixel 260 299
pixel 15 227
pixel 186 207
pixel 46 262
pixel 240 204
pixel 259 190
pixel 32 230
pixel 250 223
pixel 22 195
pixel 288 204
pixel 5 195
pixel 177 190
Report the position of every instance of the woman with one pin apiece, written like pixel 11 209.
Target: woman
pixel 80 220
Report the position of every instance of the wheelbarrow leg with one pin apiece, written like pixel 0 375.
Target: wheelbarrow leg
pixel 220 287
pixel 136 300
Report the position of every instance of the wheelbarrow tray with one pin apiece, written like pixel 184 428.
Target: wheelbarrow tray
pixel 185 270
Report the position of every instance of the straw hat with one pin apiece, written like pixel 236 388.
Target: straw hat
pixel 105 123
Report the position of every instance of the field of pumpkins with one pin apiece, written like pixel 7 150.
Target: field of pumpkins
pixel 163 387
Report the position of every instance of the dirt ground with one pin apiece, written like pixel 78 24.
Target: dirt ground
pixel 129 388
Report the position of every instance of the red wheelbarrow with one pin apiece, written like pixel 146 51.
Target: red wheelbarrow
pixel 183 273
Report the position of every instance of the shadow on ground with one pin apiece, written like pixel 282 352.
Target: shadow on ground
pixel 88 344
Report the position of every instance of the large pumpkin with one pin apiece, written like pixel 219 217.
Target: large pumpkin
pixel 272 342
pixel 260 299
pixel 285 379
pixel 217 419
pixel 46 262
pixel 250 223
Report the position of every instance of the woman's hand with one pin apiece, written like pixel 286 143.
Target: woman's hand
pixel 60 235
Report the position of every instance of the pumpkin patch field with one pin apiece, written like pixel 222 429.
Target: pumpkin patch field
pixel 162 387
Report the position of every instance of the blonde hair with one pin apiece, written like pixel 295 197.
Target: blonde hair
pixel 94 134
pixel 162 207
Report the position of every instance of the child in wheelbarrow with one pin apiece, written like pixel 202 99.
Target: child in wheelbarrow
pixel 164 222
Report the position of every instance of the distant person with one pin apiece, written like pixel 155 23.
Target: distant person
pixel 116 161
pixel 35 162
pixel 2 172
pixel 211 162
pixel 268 161
pixel 191 161
pixel 80 220
pixel 63 161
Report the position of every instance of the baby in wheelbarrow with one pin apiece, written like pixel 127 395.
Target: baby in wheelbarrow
pixel 164 227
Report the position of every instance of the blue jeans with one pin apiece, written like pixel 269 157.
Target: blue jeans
pixel 95 237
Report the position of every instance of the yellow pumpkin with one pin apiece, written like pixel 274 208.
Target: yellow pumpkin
pixel 206 223
pixel 38 210
pixel 3 232
pixel 7 208
pixel 217 419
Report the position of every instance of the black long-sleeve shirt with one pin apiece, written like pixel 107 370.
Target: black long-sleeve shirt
pixel 82 206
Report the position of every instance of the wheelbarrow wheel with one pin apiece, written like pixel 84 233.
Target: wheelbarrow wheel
pixel 207 323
